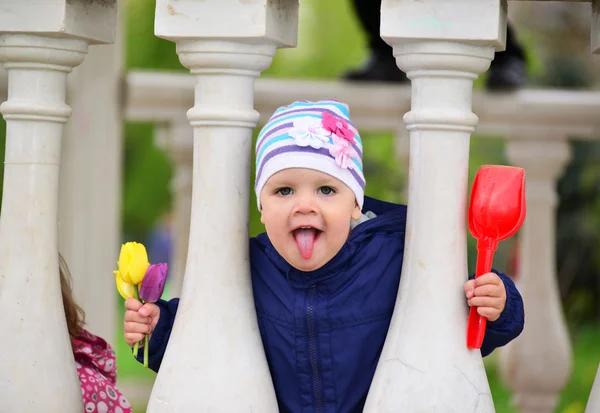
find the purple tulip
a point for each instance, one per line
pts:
(154, 282)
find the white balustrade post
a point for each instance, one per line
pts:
(89, 203)
(3, 84)
(38, 46)
(176, 137)
(402, 146)
(593, 404)
(595, 32)
(537, 364)
(215, 360)
(425, 365)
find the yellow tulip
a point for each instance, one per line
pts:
(133, 262)
(126, 290)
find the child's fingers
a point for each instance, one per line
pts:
(136, 317)
(150, 310)
(488, 278)
(469, 288)
(132, 327)
(488, 290)
(488, 295)
(492, 314)
(132, 338)
(493, 302)
(132, 304)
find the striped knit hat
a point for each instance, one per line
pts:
(313, 135)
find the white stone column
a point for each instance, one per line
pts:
(90, 183)
(215, 344)
(537, 365)
(176, 137)
(593, 404)
(402, 146)
(38, 370)
(3, 84)
(595, 33)
(425, 365)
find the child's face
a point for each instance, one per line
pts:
(307, 215)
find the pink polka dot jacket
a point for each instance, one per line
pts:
(97, 370)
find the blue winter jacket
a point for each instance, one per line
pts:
(323, 331)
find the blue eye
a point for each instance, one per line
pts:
(326, 190)
(284, 191)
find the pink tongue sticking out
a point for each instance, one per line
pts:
(305, 239)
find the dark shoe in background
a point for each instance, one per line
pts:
(506, 73)
(378, 68)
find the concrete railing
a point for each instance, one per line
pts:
(536, 124)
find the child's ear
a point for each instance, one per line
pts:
(356, 213)
(262, 218)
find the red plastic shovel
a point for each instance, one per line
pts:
(496, 211)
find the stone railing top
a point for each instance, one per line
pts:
(166, 96)
(92, 20)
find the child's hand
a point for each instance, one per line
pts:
(139, 320)
(488, 294)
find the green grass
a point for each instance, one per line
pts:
(574, 396)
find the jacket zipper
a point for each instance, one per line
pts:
(312, 344)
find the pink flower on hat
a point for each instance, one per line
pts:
(343, 152)
(338, 127)
(308, 131)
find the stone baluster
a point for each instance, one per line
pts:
(89, 214)
(595, 33)
(176, 137)
(39, 46)
(593, 404)
(425, 364)
(402, 146)
(3, 84)
(536, 383)
(215, 345)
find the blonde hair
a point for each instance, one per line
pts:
(74, 314)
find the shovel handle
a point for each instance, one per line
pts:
(475, 329)
(477, 324)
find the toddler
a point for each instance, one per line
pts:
(325, 275)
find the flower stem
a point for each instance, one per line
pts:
(146, 345)
(136, 347)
